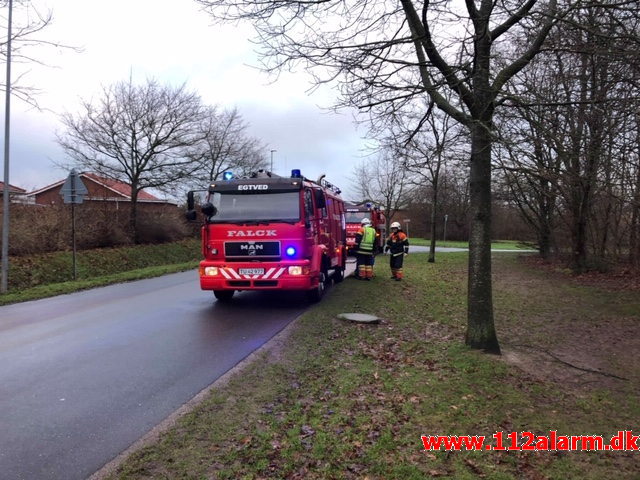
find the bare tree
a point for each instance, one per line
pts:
(28, 23)
(225, 145)
(386, 54)
(424, 153)
(382, 181)
(141, 134)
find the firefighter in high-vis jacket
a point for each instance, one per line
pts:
(398, 246)
(365, 241)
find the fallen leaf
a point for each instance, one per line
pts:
(307, 430)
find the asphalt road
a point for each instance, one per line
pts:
(85, 375)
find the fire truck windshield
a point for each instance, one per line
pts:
(356, 217)
(256, 207)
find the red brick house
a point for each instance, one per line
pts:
(101, 190)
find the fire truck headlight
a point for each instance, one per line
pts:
(211, 271)
(290, 251)
(295, 270)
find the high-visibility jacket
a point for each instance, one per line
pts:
(398, 243)
(365, 239)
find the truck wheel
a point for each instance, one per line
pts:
(224, 295)
(315, 295)
(338, 275)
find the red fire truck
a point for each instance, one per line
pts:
(271, 233)
(355, 213)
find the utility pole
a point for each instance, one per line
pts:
(4, 282)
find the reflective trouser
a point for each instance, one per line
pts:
(364, 265)
(396, 264)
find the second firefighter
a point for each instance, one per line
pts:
(398, 246)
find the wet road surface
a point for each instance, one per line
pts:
(85, 375)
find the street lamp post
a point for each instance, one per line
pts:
(4, 281)
(271, 168)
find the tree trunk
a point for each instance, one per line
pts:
(133, 217)
(481, 332)
(434, 217)
(634, 238)
(544, 242)
(579, 242)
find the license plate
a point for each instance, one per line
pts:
(251, 271)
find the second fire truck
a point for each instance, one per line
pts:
(355, 213)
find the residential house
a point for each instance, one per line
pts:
(101, 190)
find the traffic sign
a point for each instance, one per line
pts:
(73, 190)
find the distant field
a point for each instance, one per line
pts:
(496, 244)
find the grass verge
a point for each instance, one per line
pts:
(53, 289)
(495, 244)
(348, 401)
(39, 276)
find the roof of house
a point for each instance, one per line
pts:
(12, 189)
(121, 188)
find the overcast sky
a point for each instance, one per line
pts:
(174, 42)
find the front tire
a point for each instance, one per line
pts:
(315, 295)
(224, 295)
(338, 275)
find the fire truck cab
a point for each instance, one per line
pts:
(270, 232)
(355, 213)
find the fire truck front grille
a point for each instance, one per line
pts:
(239, 283)
(265, 283)
(253, 259)
(252, 249)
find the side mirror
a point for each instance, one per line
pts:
(320, 201)
(209, 210)
(190, 214)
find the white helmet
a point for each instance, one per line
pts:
(395, 225)
(365, 221)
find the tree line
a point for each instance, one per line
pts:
(565, 149)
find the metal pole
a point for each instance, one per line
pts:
(271, 168)
(444, 237)
(4, 283)
(73, 222)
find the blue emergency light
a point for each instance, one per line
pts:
(227, 175)
(295, 173)
(290, 251)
